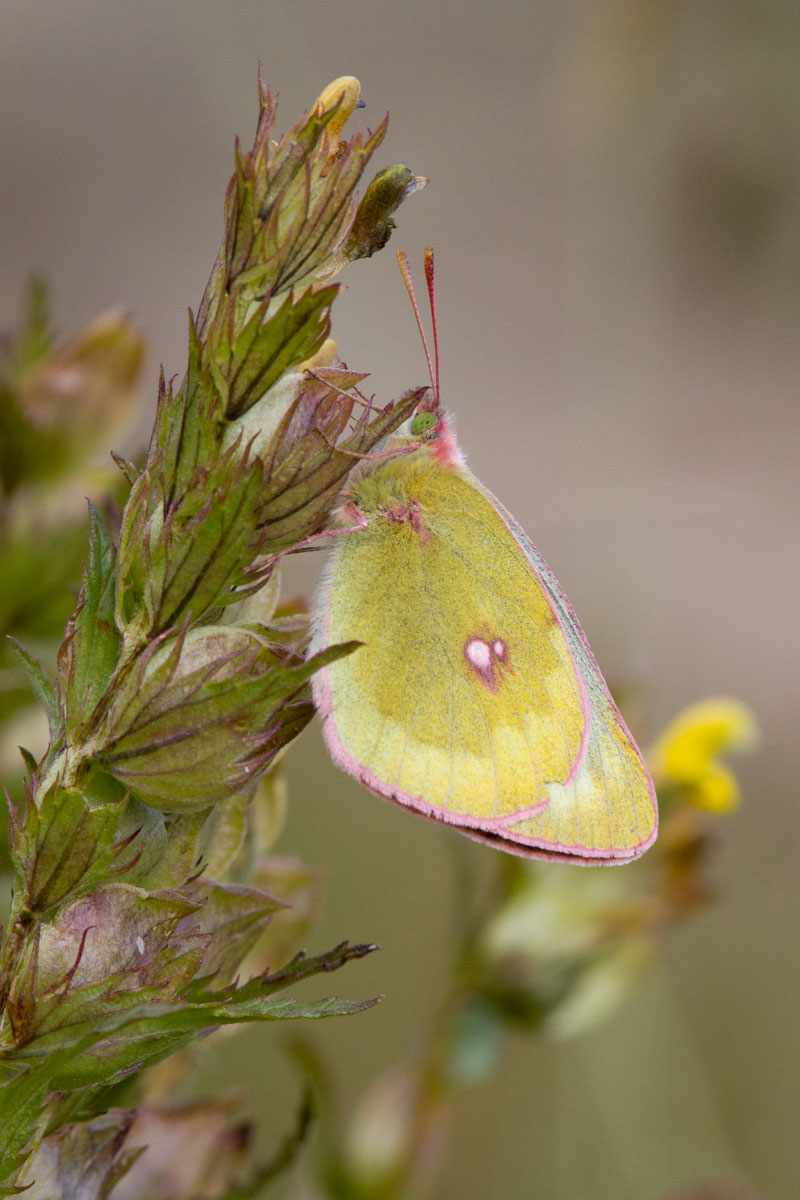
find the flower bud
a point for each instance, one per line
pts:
(343, 95)
(387, 1139)
(203, 716)
(373, 222)
(116, 939)
(85, 390)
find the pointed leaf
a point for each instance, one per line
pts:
(146, 1029)
(66, 847)
(89, 653)
(37, 336)
(234, 916)
(301, 490)
(266, 349)
(194, 738)
(187, 424)
(45, 689)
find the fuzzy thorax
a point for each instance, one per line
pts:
(381, 486)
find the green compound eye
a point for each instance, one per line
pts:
(422, 422)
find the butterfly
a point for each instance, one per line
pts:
(474, 699)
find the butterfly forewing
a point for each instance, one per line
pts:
(472, 711)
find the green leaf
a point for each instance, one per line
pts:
(186, 562)
(100, 955)
(300, 967)
(225, 837)
(145, 1029)
(65, 847)
(36, 340)
(129, 470)
(188, 425)
(181, 853)
(208, 541)
(268, 347)
(140, 842)
(234, 916)
(185, 739)
(22, 1100)
(132, 564)
(306, 233)
(89, 653)
(288, 158)
(302, 487)
(45, 689)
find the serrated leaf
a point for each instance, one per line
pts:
(146, 1029)
(183, 741)
(102, 955)
(309, 228)
(22, 1100)
(88, 655)
(208, 541)
(146, 1039)
(288, 158)
(65, 847)
(45, 689)
(302, 488)
(187, 561)
(131, 570)
(266, 349)
(234, 916)
(188, 424)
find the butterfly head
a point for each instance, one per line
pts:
(424, 425)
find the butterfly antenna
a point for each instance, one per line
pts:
(432, 300)
(405, 271)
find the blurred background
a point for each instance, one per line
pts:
(615, 208)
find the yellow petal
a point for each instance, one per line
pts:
(717, 789)
(324, 357)
(699, 734)
(344, 91)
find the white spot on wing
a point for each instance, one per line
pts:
(479, 654)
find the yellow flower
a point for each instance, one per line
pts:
(687, 753)
(344, 92)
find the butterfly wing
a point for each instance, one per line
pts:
(475, 699)
(608, 810)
